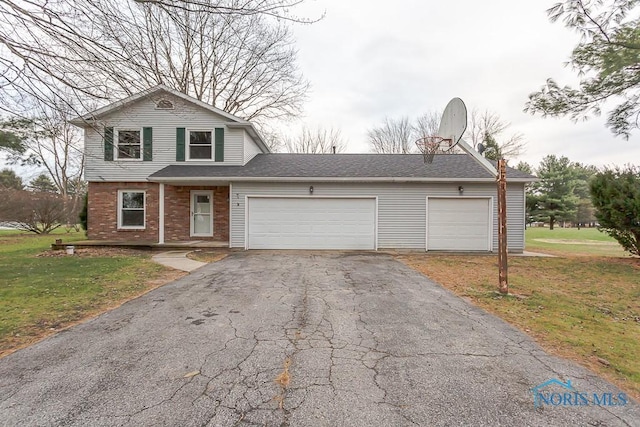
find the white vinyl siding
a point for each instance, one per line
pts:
(401, 207)
(164, 123)
(311, 223)
(515, 218)
(251, 149)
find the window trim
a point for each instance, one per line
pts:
(120, 208)
(187, 144)
(116, 144)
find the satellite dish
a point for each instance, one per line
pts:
(454, 121)
(481, 148)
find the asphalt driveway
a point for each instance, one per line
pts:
(352, 340)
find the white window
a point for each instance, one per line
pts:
(131, 209)
(128, 144)
(200, 145)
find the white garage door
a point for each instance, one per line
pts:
(311, 223)
(458, 224)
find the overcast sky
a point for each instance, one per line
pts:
(371, 59)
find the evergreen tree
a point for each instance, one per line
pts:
(607, 60)
(585, 213)
(555, 191)
(616, 196)
(9, 179)
(524, 167)
(84, 213)
(492, 150)
(43, 184)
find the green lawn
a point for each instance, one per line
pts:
(40, 294)
(571, 241)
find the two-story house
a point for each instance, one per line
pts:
(165, 167)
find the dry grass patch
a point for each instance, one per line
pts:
(207, 256)
(588, 242)
(583, 308)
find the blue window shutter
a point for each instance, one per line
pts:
(219, 144)
(108, 144)
(180, 135)
(147, 144)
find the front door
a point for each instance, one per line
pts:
(202, 213)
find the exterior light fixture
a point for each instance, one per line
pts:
(460, 189)
(311, 189)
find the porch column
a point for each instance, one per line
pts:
(161, 215)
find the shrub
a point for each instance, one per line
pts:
(615, 194)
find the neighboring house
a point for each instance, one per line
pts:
(164, 167)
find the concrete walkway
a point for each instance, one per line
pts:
(178, 260)
(534, 254)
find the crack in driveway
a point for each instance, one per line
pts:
(370, 342)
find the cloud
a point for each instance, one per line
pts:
(371, 59)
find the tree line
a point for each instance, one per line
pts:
(65, 58)
(38, 207)
(585, 195)
(399, 135)
(62, 59)
(52, 145)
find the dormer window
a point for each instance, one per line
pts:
(164, 104)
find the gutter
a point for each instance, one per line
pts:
(205, 179)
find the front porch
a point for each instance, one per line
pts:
(157, 215)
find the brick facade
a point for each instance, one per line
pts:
(103, 212)
(177, 208)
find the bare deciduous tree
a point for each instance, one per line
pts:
(104, 50)
(38, 213)
(486, 125)
(400, 136)
(280, 9)
(316, 141)
(394, 136)
(50, 142)
(427, 124)
(240, 64)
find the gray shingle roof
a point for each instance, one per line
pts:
(281, 165)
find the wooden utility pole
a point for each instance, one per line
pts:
(502, 227)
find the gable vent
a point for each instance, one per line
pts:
(164, 104)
